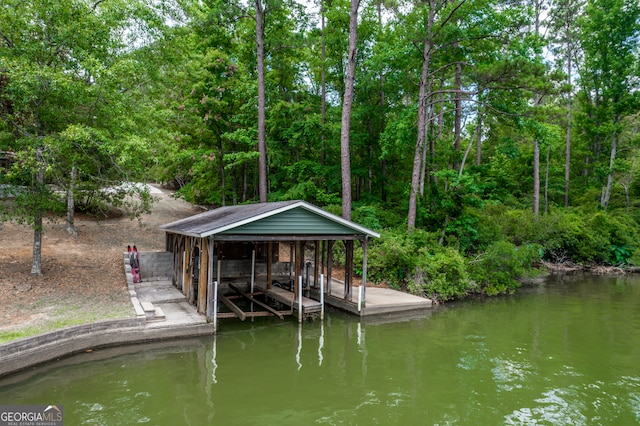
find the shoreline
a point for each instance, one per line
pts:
(30, 352)
(181, 322)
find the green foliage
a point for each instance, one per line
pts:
(416, 263)
(565, 235)
(121, 94)
(367, 216)
(393, 258)
(440, 275)
(497, 270)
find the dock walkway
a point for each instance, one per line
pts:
(378, 300)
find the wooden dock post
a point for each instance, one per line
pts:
(253, 269)
(215, 297)
(215, 307)
(300, 298)
(209, 300)
(253, 273)
(321, 297)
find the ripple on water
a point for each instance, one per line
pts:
(557, 406)
(510, 374)
(582, 404)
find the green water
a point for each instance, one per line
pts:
(566, 352)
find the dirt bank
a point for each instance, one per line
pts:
(83, 278)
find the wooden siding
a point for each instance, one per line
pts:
(286, 218)
(203, 278)
(294, 221)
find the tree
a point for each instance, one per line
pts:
(345, 157)
(59, 61)
(564, 26)
(262, 144)
(610, 30)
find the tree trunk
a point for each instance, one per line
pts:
(71, 228)
(457, 125)
(536, 143)
(36, 260)
(383, 165)
(567, 155)
(427, 148)
(479, 133)
(464, 158)
(324, 85)
(422, 117)
(546, 181)
(262, 144)
(606, 191)
(536, 177)
(423, 167)
(345, 157)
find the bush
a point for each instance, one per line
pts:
(416, 263)
(441, 275)
(565, 237)
(587, 237)
(393, 257)
(367, 216)
(497, 270)
(614, 237)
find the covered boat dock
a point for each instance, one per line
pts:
(266, 259)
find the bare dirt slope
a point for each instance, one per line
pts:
(83, 278)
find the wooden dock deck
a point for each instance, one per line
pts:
(286, 297)
(379, 301)
(236, 311)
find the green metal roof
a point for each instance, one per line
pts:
(286, 218)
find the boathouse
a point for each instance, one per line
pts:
(281, 249)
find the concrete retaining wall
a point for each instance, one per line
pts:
(30, 351)
(154, 265)
(23, 353)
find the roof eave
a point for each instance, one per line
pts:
(301, 204)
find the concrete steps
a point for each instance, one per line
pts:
(152, 313)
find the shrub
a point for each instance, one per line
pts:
(441, 275)
(614, 237)
(367, 217)
(518, 226)
(586, 237)
(392, 258)
(564, 236)
(496, 271)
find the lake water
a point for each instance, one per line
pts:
(565, 352)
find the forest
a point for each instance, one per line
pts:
(482, 138)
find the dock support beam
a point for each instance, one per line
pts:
(364, 271)
(215, 307)
(321, 297)
(300, 299)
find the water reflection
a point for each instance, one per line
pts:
(564, 353)
(214, 361)
(510, 374)
(299, 346)
(321, 345)
(583, 404)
